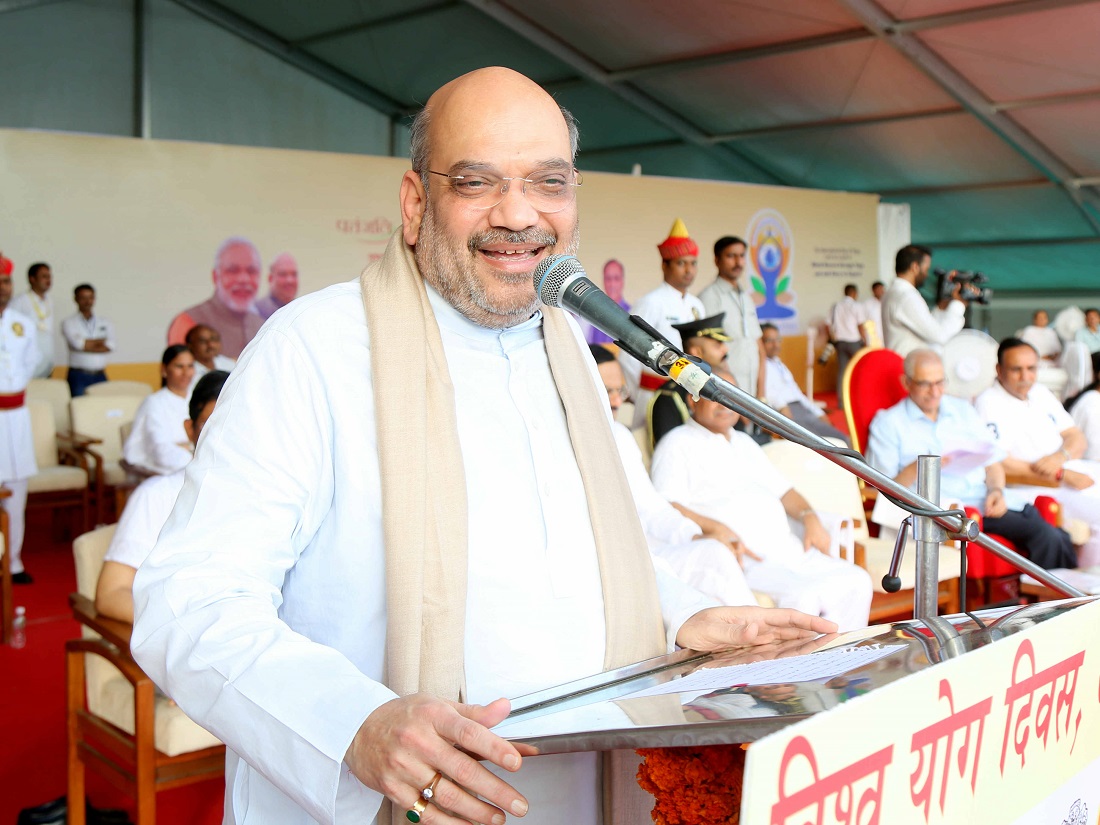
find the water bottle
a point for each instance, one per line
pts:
(19, 628)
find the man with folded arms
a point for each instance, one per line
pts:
(436, 516)
(928, 423)
(713, 469)
(1043, 445)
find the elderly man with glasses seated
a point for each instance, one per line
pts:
(931, 423)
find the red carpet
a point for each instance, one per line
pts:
(32, 695)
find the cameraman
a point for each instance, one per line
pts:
(907, 323)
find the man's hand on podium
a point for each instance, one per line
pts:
(401, 745)
(720, 628)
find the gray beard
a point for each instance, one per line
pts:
(453, 274)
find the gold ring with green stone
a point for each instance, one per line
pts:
(413, 813)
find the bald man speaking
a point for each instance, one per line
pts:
(435, 519)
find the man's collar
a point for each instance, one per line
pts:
(451, 319)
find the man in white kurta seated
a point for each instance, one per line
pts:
(1043, 444)
(667, 305)
(408, 504)
(713, 469)
(147, 510)
(701, 551)
(782, 392)
(1042, 337)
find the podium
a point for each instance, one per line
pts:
(990, 717)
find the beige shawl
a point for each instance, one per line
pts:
(424, 490)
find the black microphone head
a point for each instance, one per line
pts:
(551, 275)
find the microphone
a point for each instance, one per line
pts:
(560, 281)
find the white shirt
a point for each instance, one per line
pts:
(221, 362)
(1044, 339)
(1086, 415)
(142, 519)
(18, 357)
(662, 523)
(662, 308)
(781, 390)
(731, 481)
(39, 310)
(1026, 429)
(908, 323)
(158, 441)
(741, 325)
(262, 608)
(77, 329)
(872, 311)
(845, 318)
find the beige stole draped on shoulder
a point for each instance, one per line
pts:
(424, 508)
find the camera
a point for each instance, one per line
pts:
(974, 289)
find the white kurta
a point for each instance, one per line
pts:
(1030, 429)
(872, 311)
(733, 481)
(706, 564)
(158, 442)
(908, 323)
(741, 325)
(262, 611)
(221, 362)
(1044, 339)
(1086, 415)
(39, 310)
(662, 308)
(143, 517)
(18, 357)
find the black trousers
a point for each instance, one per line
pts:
(1045, 545)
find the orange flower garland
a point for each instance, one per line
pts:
(694, 786)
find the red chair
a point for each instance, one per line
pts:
(872, 382)
(996, 580)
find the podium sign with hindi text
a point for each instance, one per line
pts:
(1007, 733)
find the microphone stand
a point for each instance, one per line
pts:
(930, 530)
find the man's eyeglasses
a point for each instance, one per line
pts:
(929, 385)
(548, 192)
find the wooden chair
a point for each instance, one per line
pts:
(54, 391)
(832, 490)
(117, 722)
(109, 387)
(97, 422)
(65, 473)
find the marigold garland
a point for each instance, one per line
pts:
(694, 786)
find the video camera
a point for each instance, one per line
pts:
(973, 286)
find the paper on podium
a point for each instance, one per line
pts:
(823, 664)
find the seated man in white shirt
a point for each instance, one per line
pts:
(708, 466)
(147, 511)
(1042, 336)
(782, 392)
(700, 551)
(931, 423)
(1042, 443)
